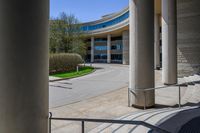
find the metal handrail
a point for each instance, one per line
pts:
(142, 123)
(161, 87)
(83, 120)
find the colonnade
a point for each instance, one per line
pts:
(145, 48)
(125, 47)
(24, 59)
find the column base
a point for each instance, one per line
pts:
(125, 63)
(142, 107)
(139, 100)
(169, 83)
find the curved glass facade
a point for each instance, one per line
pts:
(106, 24)
(100, 48)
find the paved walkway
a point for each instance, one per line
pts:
(106, 78)
(102, 94)
(107, 106)
(110, 105)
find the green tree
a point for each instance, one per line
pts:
(66, 35)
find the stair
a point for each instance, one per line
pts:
(195, 98)
(191, 94)
(153, 116)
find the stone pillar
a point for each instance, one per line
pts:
(92, 49)
(142, 51)
(169, 42)
(24, 66)
(109, 48)
(125, 52)
(157, 41)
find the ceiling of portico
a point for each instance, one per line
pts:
(113, 33)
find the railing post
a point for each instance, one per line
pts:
(83, 126)
(50, 116)
(144, 100)
(77, 68)
(129, 102)
(179, 98)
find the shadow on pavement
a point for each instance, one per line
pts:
(186, 121)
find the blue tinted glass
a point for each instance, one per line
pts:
(106, 24)
(100, 48)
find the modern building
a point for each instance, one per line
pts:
(149, 35)
(109, 37)
(108, 40)
(24, 53)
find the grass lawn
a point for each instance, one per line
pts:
(73, 74)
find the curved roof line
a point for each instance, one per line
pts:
(107, 18)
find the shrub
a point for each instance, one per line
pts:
(63, 62)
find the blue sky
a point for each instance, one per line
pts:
(86, 10)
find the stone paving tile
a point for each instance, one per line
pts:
(110, 105)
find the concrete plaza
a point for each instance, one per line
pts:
(103, 102)
(106, 78)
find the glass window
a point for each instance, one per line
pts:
(100, 56)
(116, 57)
(100, 48)
(106, 24)
(113, 47)
(116, 47)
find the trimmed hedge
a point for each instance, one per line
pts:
(63, 62)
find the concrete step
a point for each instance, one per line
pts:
(195, 98)
(188, 95)
(144, 117)
(186, 79)
(131, 116)
(189, 80)
(168, 95)
(194, 78)
(150, 116)
(152, 119)
(157, 119)
(192, 94)
(197, 79)
(181, 80)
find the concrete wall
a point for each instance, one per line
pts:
(188, 37)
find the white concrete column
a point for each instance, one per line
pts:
(125, 51)
(169, 42)
(92, 49)
(109, 48)
(142, 51)
(24, 66)
(157, 41)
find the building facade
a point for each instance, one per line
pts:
(108, 38)
(24, 51)
(149, 35)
